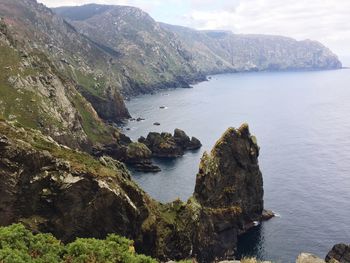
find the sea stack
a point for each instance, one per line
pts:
(229, 189)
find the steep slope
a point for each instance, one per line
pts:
(35, 28)
(149, 56)
(223, 50)
(51, 188)
(163, 52)
(34, 94)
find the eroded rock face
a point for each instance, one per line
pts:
(166, 145)
(229, 189)
(72, 197)
(52, 188)
(339, 253)
(230, 176)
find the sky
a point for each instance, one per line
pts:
(327, 21)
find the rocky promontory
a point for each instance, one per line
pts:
(170, 146)
(52, 188)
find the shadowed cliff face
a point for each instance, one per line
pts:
(51, 188)
(232, 163)
(229, 189)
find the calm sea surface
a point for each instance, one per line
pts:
(302, 123)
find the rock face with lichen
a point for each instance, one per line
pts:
(52, 188)
(229, 188)
(170, 146)
(339, 253)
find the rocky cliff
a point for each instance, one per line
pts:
(52, 188)
(177, 55)
(218, 51)
(103, 52)
(35, 29)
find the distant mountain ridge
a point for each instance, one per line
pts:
(67, 74)
(206, 52)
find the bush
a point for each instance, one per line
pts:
(17, 245)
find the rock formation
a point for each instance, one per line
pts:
(52, 188)
(135, 154)
(339, 253)
(229, 189)
(170, 146)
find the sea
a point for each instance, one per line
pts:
(302, 124)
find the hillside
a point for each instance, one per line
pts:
(149, 56)
(36, 29)
(158, 49)
(239, 52)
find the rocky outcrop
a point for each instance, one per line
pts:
(339, 253)
(52, 188)
(135, 154)
(170, 146)
(308, 258)
(229, 189)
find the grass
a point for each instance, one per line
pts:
(79, 161)
(95, 129)
(93, 85)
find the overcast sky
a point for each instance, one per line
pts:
(327, 21)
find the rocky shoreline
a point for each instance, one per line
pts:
(73, 195)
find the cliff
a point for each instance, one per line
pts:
(218, 51)
(51, 188)
(155, 55)
(87, 65)
(35, 29)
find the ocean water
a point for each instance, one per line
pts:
(302, 123)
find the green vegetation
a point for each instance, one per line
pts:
(21, 105)
(93, 85)
(79, 161)
(95, 129)
(18, 245)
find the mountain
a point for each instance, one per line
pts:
(219, 50)
(35, 29)
(144, 43)
(149, 56)
(79, 63)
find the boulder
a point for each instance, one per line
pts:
(339, 253)
(166, 145)
(162, 145)
(309, 258)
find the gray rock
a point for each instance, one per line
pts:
(309, 258)
(340, 253)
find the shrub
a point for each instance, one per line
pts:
(17, 245)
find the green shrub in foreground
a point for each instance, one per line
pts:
(17, 245)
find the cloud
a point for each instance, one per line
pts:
(322, 20)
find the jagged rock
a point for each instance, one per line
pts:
(309, 258)
(135, 154)
(51, 188)
(146, 167)
(165, 145)
(72, 197)
(339, 253)
(267, 214)
(162, 145)
(229, 188)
